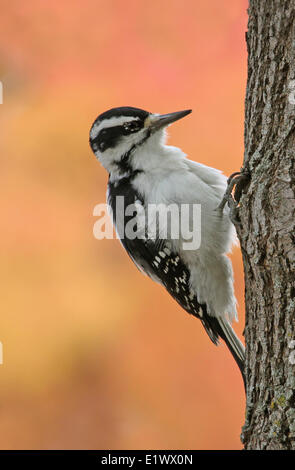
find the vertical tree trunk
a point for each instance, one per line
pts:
(267, 230)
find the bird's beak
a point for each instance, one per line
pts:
(158, 121)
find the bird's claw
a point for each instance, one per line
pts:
(237, 182)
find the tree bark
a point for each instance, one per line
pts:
(267, 230)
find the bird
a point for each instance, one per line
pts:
(144, 171)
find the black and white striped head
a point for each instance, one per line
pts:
(118, 132)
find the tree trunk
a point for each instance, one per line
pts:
(267, 230)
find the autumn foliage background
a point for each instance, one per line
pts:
(96, 355)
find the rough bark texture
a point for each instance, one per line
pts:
(267, 231)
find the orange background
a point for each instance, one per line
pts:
(96, 355)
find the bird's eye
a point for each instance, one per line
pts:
(132, 126)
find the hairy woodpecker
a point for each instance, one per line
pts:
(130, 144)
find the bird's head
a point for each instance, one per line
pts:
(118, 133)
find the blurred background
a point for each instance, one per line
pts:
(95, 355)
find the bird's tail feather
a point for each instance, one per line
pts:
(218, 327)
(233, 343)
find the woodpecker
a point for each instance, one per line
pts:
(130, 143)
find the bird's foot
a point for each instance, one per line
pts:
(233, 210)
(238, 182)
